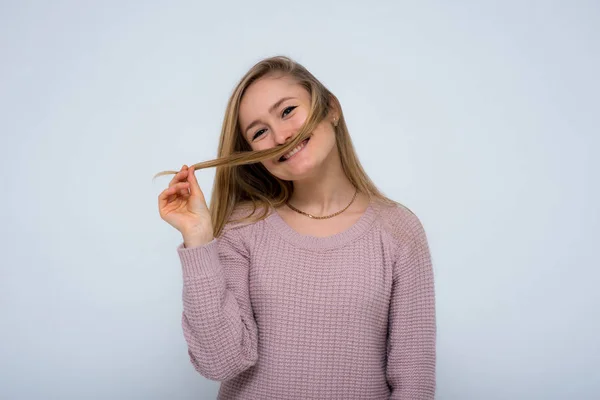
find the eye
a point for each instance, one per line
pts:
(288, 110)
(257, 134)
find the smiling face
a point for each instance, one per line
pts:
(272, 111)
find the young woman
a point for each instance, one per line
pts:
(302, 280)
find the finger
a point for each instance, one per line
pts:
(163, 198)
(181, 175)
(180, 187)
(185, 192)
(194, 186)
(176, 178)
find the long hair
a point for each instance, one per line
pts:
(240, 177)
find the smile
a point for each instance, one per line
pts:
(294, 151)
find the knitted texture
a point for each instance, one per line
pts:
(274, 314)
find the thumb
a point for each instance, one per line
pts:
(194, 186)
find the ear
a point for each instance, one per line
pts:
(334, 109)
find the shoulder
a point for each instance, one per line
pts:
(411, 254)
(401, 225)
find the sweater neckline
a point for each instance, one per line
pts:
(327, 242)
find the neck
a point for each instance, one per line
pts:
(325, 192)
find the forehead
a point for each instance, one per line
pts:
(265, 92)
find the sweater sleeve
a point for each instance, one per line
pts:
(217, 319)
(411, 352)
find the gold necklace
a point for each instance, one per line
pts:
(326, 216)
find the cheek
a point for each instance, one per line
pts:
(325, 133)
(298, 120)
(261, 144)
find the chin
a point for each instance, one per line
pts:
(299, 171)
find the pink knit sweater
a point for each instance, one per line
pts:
(274, 314)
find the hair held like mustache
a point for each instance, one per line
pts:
(318, 112)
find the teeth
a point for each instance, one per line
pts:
(295, 150)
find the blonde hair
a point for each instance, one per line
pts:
(241, 179)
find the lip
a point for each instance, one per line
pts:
(301, 150)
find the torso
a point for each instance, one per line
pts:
(325, 227)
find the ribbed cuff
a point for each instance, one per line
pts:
(199, 260)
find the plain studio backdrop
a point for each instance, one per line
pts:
(481, 117)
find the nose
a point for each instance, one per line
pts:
(283, 135)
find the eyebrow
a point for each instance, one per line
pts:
(271, 109)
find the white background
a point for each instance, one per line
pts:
(481, 117)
